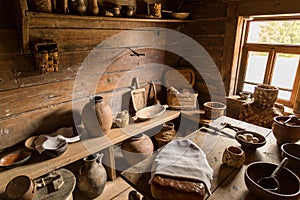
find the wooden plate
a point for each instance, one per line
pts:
(14, 159)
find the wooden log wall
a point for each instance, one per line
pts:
(34, 103)
(209, 30)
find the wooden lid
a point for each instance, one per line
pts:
(180, 78)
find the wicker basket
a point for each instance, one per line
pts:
(184, 101)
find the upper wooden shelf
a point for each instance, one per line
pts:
(27, 21)
(38, 166)
(56, 16)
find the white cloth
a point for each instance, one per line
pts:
(182, 158)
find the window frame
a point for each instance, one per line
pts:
(272, 49)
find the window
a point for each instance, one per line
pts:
(270, 54)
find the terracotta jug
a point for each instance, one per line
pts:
(91, 177)
(137, 148)
(97, 116)
(92, 7)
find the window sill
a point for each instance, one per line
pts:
(234, 102)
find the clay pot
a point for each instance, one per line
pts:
(92, 7)
(286, 132)
(234, 157)
(137, 148)
(91, 177)
(166, 134)
(77, 7)
(265, 95)
(21, 188)
(97, 116)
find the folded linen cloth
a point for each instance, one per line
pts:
(182, 158)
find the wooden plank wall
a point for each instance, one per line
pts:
(208, 30)
(34, 103)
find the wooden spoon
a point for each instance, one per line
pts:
(271, 183)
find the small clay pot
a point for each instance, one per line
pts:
(21, 188)
(166, 134)
(234, 157)
(137, 148)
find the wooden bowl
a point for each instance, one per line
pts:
(180, 15)
(289, 183)
(29, 143)
(57, 151)
(214, 109)
(292, 152)
(250, 145)
(286, 133)
(14, 159)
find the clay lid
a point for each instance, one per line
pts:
(20, 187)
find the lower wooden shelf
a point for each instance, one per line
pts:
(37, 167)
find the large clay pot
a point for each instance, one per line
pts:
(137, 148)
(166, 134)
(97, 116)
(286, 132)
(265, 95)
(91, 177)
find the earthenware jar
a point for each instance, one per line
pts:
(91, 177)
(233, 157)
(92, 7)
(97, 116)
(265, 95)
(137, 148)
(166, 134)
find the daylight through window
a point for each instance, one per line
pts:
(270, 54)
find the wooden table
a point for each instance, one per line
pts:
(228, 183)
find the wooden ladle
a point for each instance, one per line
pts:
(291, 118)
(270, 182)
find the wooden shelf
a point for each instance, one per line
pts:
(29, 23)
(79, 150)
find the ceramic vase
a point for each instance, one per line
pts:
(92, 7)
(91, 177)
(265, 95)
(234, 157)
(77, 7)
(166, 134)
(137, 148)
(97, 116)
